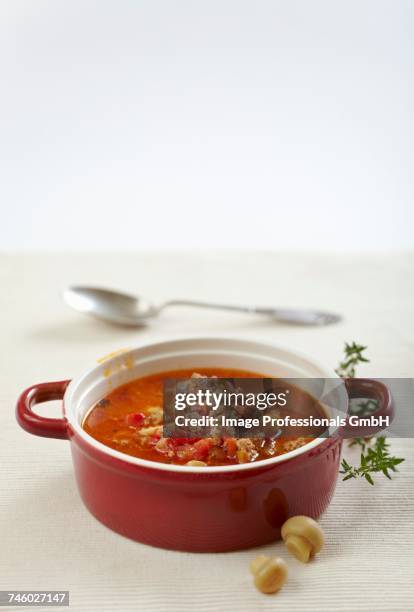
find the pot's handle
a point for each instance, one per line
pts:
(369, 389)
(34, 423)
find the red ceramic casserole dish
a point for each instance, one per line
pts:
(191, 508)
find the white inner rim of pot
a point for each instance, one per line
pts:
(268, 360)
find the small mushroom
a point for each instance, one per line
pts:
(269, 573)
(303, 537)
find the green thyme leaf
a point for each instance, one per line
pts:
(353, 357)
(375, 456)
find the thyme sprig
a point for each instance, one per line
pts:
(375, 456)
(353, 357)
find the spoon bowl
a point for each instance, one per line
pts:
(111, 306)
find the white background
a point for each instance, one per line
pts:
(181, 124)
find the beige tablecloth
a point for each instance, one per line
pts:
(50, 541)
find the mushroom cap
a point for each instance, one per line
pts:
(271, 576)
(305, 527)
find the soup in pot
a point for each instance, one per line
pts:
(129, 419)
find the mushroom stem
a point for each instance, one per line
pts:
(257, 564)
(299, 547)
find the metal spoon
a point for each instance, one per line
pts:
(124, 309)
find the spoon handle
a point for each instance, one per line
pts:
(213, 306)
(284, 315)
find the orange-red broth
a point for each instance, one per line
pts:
(129, 419)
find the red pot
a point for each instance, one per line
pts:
(189, 508)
